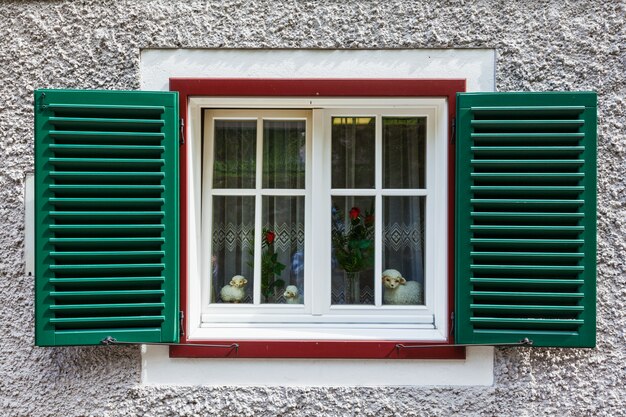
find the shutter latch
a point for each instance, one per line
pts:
(109, 340)
(181, 138)
(181, 325)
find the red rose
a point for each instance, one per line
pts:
(369, 220)
(354, 213)
(270, 236)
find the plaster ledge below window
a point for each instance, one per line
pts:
(159, 369)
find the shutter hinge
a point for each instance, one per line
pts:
(181, 326)
(453, 134)
(451, 323)
(181, 138)
(42, 106)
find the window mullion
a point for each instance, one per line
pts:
(378, 210)
(258, 201)
(318, 290)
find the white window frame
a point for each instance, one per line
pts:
(319, 320)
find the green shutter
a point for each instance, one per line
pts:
(106, 222)
(526, 218)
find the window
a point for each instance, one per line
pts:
(306, 209)
(107, 206)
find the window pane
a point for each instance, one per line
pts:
(234, 162)
(282, 259)
(353, 152)
(403, 251)
(284, 153)
(403, 152)
(352, 231)
(232, 249)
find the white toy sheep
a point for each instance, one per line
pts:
(235, 291)
(400, 291)
(292, 295)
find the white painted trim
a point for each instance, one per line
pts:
(477, 66)
(158, 369)
(352, 320)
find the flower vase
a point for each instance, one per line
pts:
(352, 287)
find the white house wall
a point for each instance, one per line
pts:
(540, 45)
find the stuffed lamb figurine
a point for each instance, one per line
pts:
(235, 291)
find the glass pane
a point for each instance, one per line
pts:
(353, 152)
(352, 232)
(232, 260)
(404, 141)
(234, 150)
(403, 250)
(282, 259)
(284, 153)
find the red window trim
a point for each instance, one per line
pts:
(256, 87)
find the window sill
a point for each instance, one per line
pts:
(317, 350)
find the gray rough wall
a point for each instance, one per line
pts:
(542, 45)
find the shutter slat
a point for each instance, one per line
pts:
(107, 217)
(531, 137)
(535, 333)
(98, 108)
(525, 220)
(506, 203)
(109, 162)
(526, 215)
(527, 323)
(532, 124)
(106, 307)
(533, 308)
(527, 295)
(107, 254)
(517, 243)
(523, 163)
(532, 151)
(499, 268)
(525, 282)
(107, 267)
(527, 189)
(112, 294)
(526, 177)
(497, 229)
(527, 255)
(517, 110)
(125, 241)
(106, 321)
(111, 150)
(109, 190)
(104, 123)
(107, 214)
(105, 202)
(95, 281)
(130, 187)
(94, 136)
(106, 175)
(79, 227)
(140, 148)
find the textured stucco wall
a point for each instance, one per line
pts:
(541, 45)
